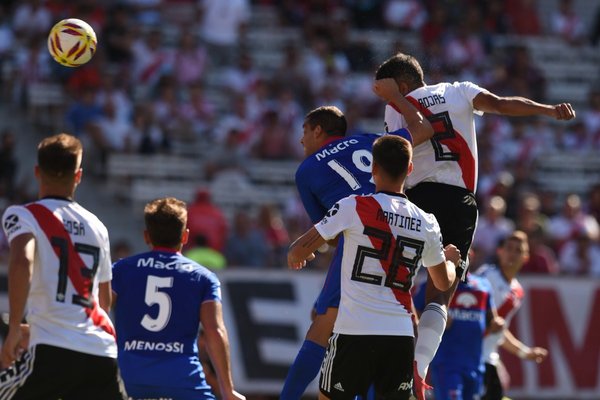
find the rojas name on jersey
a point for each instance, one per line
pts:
(343, 145)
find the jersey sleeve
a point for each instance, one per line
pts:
(16, 221)
(393, 119)
(104, 263)
(433, 252)
(311, 203)
(338, 218)
(470, 90)
(491, 304)
(403, 132)
(212, 288)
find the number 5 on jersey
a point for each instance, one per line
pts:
(155, 296)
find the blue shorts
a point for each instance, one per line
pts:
(330, 294)
(143, 392)
(451, 382)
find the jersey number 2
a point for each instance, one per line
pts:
(443, 129)
(155, 296)
(398, 245)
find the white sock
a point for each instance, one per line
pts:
(430, 330)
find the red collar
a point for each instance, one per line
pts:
(331, 139)
(165, 249)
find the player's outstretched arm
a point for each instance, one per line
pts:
(418, 126)
(217, 344)
(20, 267)
(521, 107)
(444, 274)
(303, 248)
(495, 323)
(521, 350)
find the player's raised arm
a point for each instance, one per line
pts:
(418, 126)
(516, 106)
(303, 248)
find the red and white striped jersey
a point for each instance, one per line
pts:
(507, 296)
(72, 257)
(450, 157)
(386, 239)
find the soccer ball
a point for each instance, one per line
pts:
(72, 42)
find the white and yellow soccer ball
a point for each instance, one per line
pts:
(72, 42)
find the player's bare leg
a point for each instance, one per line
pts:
(322, 326)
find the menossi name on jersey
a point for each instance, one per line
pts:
(432, 100)
(174, 347)
(401, 221)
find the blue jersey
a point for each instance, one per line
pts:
(462, 342)
(339, 169)
(159, 295)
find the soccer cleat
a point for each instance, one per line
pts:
(419, 385)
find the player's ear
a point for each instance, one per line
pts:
(147, 238)
(319, 132)
(36, 171)
(403, 88)
(410, 168)
(185, 236)
(374, 168)
(78, 175)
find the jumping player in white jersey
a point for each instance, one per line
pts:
(445, 173)
(386, 240)
(59, 267)
(507, 294)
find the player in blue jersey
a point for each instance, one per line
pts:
(335, 167)
(457, 369)
(162, 297)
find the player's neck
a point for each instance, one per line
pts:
(509, 273)
(167, 249)
(50, 191)
(389, 188)
(330, 139)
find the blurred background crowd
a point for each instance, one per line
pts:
(219, 88)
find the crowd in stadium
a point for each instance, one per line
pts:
(165, 79)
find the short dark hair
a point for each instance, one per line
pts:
(330, 118)
(393, 154)
(59, 156)
(166, 219)
(403, 68)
